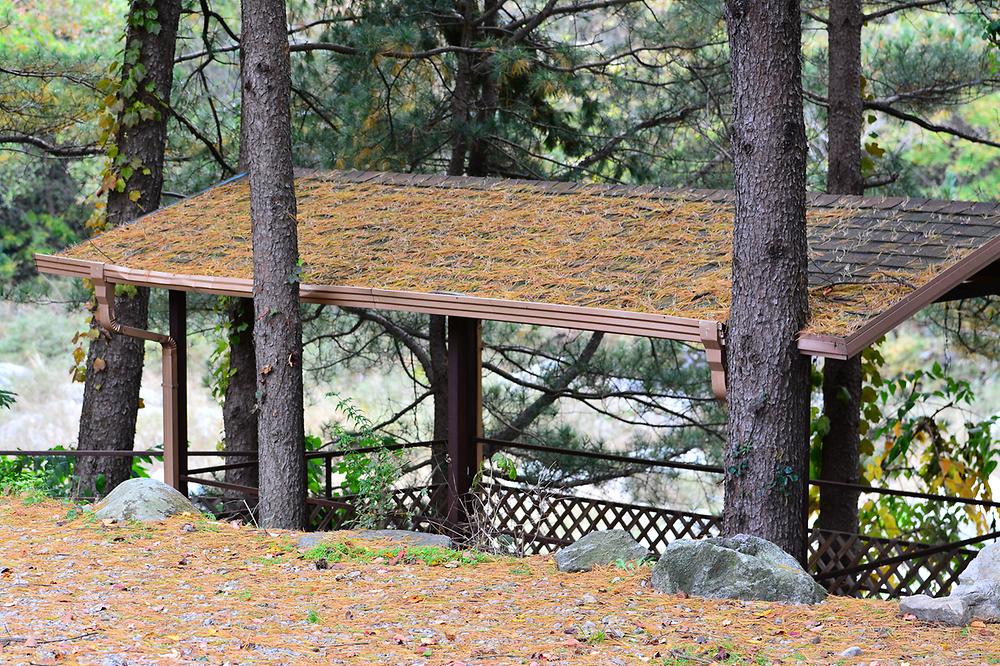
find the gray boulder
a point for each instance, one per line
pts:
(948, 610)
(982, 597)
(313, 539)
(144, 500)
(599, 549)
(739, 567)
(976, 597)
(984, 567)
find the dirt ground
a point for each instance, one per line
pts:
(191, 591)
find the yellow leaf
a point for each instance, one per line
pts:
(142, 403)
(134, 195)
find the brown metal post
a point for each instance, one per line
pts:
(464, 410)
(104, 293)
(178, 331)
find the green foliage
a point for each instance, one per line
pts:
(370, 476)
(915, 428)
(224, 337)
(353, 551)
(46, 476)
(52, 476)
(7, 399)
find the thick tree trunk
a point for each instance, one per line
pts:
(239, 414)
(438, 348)
(111, 390)
(278, 322)
(461, 96)
(844, 94)
(486, 104)
(838, 507)
(768, 378)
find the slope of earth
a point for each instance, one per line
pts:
(192, 591)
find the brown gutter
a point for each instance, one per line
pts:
(458, 305)
(105, 294)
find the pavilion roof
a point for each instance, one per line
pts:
(617, 258)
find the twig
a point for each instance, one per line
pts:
(17, 639)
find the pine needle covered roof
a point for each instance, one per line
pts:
(633, 249)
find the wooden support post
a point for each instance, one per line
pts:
(178, 331)
(464, 410)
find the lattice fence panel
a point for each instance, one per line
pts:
(552, 520)
(416, 508)
(933, 574)
(531, 522)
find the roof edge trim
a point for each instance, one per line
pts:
(925, 295)
(560, 316)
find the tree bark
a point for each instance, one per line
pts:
(438, 376)
(239, 414)
(111, 390)
(844, 94)
(461, 97)
(768, 389)
(838, 507)
(278, 322)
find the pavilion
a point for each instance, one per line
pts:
(641, 261)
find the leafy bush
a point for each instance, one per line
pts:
(917, 428)
(36, 476)
(369, 476)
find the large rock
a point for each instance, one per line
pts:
(739, 567)
(145, 500)
(599, 549)
(976, 597)
(948, 610)
(984, 567)
(313, 539)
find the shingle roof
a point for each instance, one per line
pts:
(634, 249)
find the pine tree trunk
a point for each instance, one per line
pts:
(278, 322)
(768, 378)
(461, 96)
(111, 393)
(239, 413)
(239, 416)
(838, 507)
(438, 348)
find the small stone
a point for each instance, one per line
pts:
(588, 599)
(852, 651)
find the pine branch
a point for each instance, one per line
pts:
(50, 148)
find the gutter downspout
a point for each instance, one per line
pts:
(105, 294)
(715, 351)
